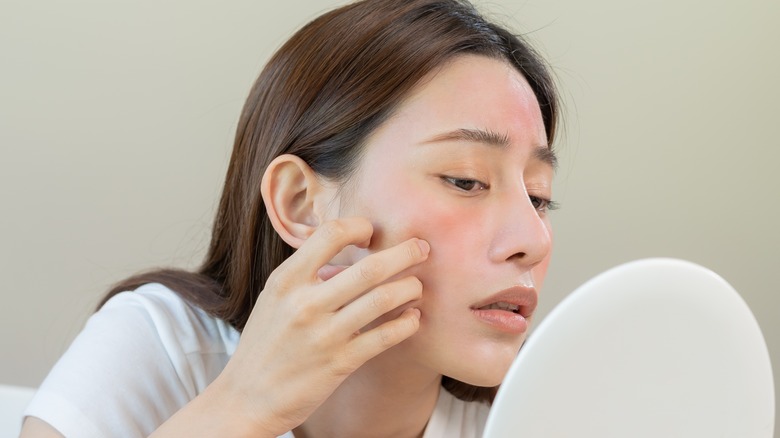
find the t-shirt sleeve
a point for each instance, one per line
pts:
(138, 360)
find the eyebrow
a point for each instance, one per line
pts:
(542, 153)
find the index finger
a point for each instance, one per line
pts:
(327, 241)
(374, 269)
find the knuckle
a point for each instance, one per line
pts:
(411, 326)
(302, 314)
(321, 338)
(343, 364)
(388, 336)
(413, 251)
(381, 299)
(299, 318)
(414, 325)
(369, 270)
(333, 231)
(277, 281)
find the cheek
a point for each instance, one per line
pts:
(405, 208)
(540, 270)
(540, 273)
(415, 214)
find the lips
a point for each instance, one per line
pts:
(518, 299)
(508, 310)
(502, 305)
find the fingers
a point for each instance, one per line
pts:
(377, 302)
(328, 240)
(373, 270)
(327, 272)
(373, 342)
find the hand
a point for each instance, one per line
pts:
(304, 336)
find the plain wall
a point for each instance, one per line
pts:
(116, 124)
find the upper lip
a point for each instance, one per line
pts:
(522, 296)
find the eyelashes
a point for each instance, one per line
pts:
(465, 184)
(472, 187)
(544, 205)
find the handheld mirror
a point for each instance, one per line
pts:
(652, 348)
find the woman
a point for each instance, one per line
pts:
(379, 246)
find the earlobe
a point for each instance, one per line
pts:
(291, 192)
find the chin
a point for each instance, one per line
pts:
(482, 374)
(487, 381)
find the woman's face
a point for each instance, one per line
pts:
(463, 164)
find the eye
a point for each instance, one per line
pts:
(465, 184)
(543, 205)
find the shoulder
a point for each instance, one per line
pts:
(153, 323)
(181, 327)
(137, 361)
(455, 417)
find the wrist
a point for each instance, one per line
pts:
(239, 410)
(216, 412)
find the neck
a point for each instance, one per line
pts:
(383, 398)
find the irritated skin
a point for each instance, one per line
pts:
(484, 239)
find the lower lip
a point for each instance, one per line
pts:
(503, 320)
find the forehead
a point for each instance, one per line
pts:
(470, 92)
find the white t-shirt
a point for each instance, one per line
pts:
(147, 353)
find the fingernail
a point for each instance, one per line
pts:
(424, 246)
(327, 272)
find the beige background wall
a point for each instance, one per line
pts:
(116, 122)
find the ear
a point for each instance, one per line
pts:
(293, 194)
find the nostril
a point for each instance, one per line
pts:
(517, 256)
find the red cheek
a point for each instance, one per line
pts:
(416, 207)
(452, 230)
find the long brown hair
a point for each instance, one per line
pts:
(319, 97)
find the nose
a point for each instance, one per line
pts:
(522, 235)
